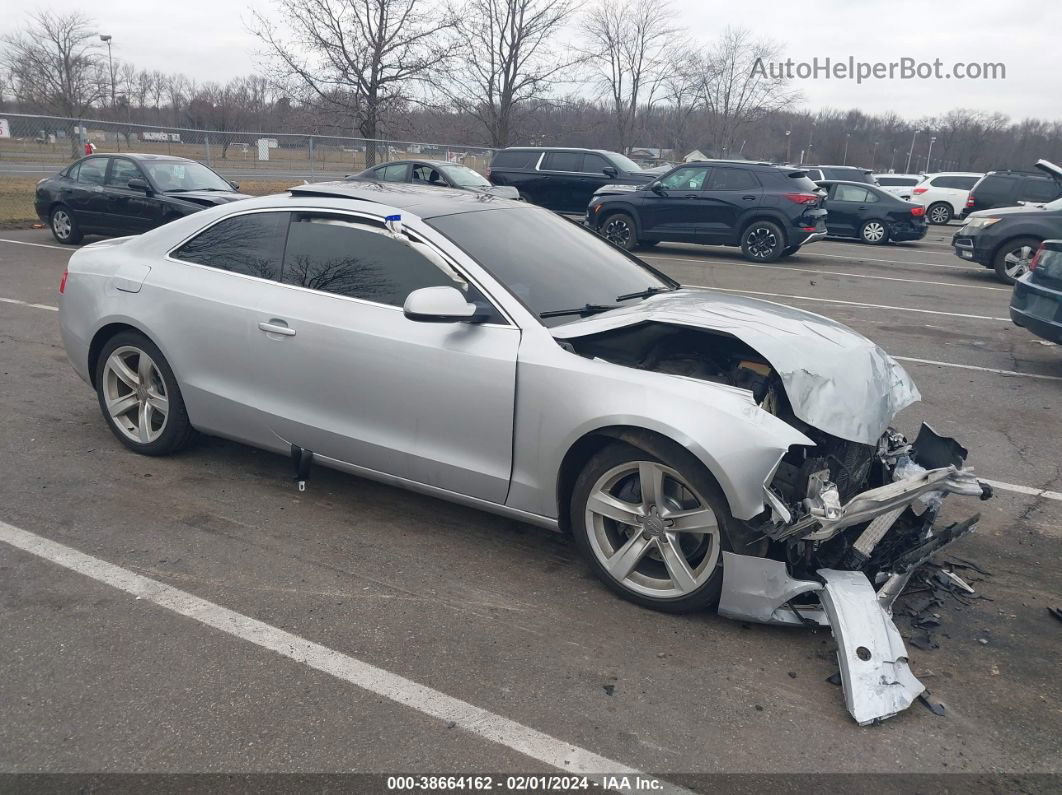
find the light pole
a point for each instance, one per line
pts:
(911, 152)
(874, 157)
(106, 39)
(788, 141)
(811, 145)
(929, 154)
(847, 136)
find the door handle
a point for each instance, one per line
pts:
(748, 198)
(276, 327)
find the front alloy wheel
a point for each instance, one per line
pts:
(1013, 260)
(64, 226)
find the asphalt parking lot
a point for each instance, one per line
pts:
(498, 615)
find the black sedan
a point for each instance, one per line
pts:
(1006, 239)
(1037, 300)
(127, 194)
(435, 173)
(871, 214)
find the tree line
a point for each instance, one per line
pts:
(614, 74)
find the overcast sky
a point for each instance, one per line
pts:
(208, 40)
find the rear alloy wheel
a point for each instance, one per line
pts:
(939, 213)
(619, 230)
(653, 532)
(139, 396)
(874, 232)
(762, 241)
(64, 226)
(1013, 258)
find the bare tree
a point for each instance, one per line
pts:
(506, 62)
(55, 63)
(737, 90)
(627, 45)
(364, 57)
(177, 91)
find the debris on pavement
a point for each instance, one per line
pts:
(933, 706)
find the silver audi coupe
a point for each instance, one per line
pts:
(701, 448)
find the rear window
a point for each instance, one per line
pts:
(251, 245)
(799, 180)
(732, 179)
(959, 183)
(1038, 190)
(515, 159)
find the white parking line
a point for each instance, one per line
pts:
(896, 262)
(532, 743)
(1030, 490)
(854, 303)
(1013, 373)
(27, 303)
(38, 245)
(826, 273)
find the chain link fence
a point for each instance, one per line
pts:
(50, 142)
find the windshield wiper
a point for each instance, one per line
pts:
(644, 293)
(585, 309)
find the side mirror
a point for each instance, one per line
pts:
(610, 172)
(657, 188)
(139, 184)
(235, 185)
(440, 305)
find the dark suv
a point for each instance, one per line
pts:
(1008, 188)
(769, 211)
(562, 179)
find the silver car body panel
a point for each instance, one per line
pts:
(836, 379)
(761, 590)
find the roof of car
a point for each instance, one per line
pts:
(425, 201)
(555, 149)
(143, 156)
(414, 160)
(761, 163)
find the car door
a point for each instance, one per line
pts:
(560, 182)
(593, 177)
(84, 195)
(728, 195)
(340, 370)
(129, 211)
(675, 209)
(846, 206)
(203, 298)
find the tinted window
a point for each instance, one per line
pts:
(996, 186)
(894, 182)
(92, 170)
(122, 171)
(799, 180)
(852, 193)
(545, 261)
(959, 183)
(594, 164)
(515, 159)
(562, 161)
(815, 174)
(1038, 190)
(249, 244)
(732, 179)
(687, 178)
(358, 260)
(71, 172)
(395, 173)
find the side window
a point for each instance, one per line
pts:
(964, 183)
(852, 193)
(92, 171)
(520, 158)
(562, 161)
(71, 173)
(1038, 190)
(427, 174)
(252, 245)
(688, 178)
(594, 164)
(338, 255)
(732, 179)
(815, 174)
(122, 171)
(395, 173)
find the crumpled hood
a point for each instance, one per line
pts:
(208, 198)
(836, 379)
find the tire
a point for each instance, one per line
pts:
(874, 232)
(611, 480)
(619, 229)
(939, 213)
(64, 225)
(151, 420)
(762, 241)
(1011, 260)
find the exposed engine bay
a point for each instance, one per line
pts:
(847, 522)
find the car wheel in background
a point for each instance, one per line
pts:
(939, 213)
(64, 225)
(139, 396)
(874, 232)
(652, 530)
(1013, 257)
(762, 241)
(618, 228)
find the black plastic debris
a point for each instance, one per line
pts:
(933, 706)
(609, 689)
(1056, 612)
(834, 678)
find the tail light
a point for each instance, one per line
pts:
(919, 210)
(1036, 258)
(62, 282)
(802, 198)
(970, 200)
(919, 191)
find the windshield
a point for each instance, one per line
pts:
(464, 177)
(624, 162)
(547, 262)
(183, 175)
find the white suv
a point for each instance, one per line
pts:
(899, 184)
(944, 194)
